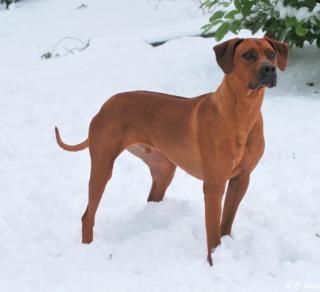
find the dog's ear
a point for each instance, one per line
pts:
(225, 54)
(281, 49)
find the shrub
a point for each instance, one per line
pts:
(8, 2)
(292, 21)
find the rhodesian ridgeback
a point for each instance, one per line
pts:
(216, 137)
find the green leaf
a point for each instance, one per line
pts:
(208, 3)
(231, 14)
(216, 15)
(206, 28)
(237, 4)
(290, 21)
(225, 3)
(301, 30)
(221, 31)
(246, 10)
(235, 26)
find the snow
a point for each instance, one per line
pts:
(301, 14)
(140, 246)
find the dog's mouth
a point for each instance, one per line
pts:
(269, 82)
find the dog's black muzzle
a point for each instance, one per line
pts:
(267, 76)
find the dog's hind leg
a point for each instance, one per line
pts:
(162, 174)
(162, 170)
(103, 155)
(100, 175)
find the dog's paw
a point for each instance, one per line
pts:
(87, 235)
(209, 259)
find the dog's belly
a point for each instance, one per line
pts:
(152, 155)
(188, 163)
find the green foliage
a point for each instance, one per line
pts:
(292, 21)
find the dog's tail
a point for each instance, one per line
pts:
(78, 147)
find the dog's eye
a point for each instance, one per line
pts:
(271, 55)
(248, 56)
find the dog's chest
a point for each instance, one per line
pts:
(238, 152)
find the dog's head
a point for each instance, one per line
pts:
(252, 61)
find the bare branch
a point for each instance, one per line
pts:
(68, 50)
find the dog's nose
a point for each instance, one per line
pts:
(267, 68)
(267, 75)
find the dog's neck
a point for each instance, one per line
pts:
(238, 103)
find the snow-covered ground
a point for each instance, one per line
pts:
(140, 246)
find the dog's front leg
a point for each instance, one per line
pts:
(213, 193)
(236, 190)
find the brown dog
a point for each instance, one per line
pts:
(216, 137)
